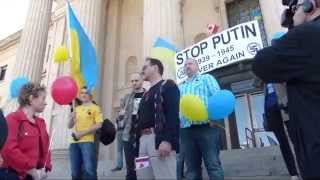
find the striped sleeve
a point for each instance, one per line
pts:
(212, 84)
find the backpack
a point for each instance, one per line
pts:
(107, 132)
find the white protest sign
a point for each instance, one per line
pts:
(142, 162)
(229, 46)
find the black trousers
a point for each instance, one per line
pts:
(279, 132)
(130, 154)
(306, 138)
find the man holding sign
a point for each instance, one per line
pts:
(199, 140)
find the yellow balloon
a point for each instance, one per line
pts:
(193, 108)
(60, 54)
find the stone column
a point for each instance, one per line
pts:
(32, 47)
(162, 19)
(271, 12)
(92, 16)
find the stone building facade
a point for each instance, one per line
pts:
(123, 32)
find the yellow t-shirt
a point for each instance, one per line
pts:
(86, 117)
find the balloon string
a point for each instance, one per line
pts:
(49, 148)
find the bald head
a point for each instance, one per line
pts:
(136, 81)
(191, 67)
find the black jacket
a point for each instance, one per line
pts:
(149, 115)
(295, 60)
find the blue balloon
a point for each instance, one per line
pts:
(221, 105)
(16, 85)
(277, 35)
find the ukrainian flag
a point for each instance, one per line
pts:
(84, 68)
(256, 13)
(164, 51)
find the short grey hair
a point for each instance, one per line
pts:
(194, 60)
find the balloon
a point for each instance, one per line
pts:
(16, 85)
(193, 108)
(221, 105)
(60, 54)
(277, 35)
(64, 90)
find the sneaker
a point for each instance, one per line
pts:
(116, 169)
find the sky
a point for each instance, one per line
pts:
(12, 16)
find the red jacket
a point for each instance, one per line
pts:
(27, 145)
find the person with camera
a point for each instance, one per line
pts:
(295, 60)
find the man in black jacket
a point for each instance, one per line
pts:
(158, 123)
(295, 60)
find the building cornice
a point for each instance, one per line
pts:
(10, 40)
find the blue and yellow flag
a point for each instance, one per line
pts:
(164, 51)
(84, 68)
(256, 13)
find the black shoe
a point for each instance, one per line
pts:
(116, 169)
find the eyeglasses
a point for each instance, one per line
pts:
(296, 7)
(135, 80)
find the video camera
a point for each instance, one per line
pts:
(287, 15)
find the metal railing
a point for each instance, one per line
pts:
(250, 137)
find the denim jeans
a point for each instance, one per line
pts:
(119, 149)
(180, 165)
(201, 142)
(180, 162)
(83, 159)
(8, 174)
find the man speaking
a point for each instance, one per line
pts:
(295, 60)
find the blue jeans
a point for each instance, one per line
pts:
(83, 159)
(119, 149)
(180, 162)
(8, 174)
(180, 166)
(201, 142)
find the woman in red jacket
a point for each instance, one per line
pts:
(26, 152)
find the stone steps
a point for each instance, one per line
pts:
(227, 178)
(248, 164)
